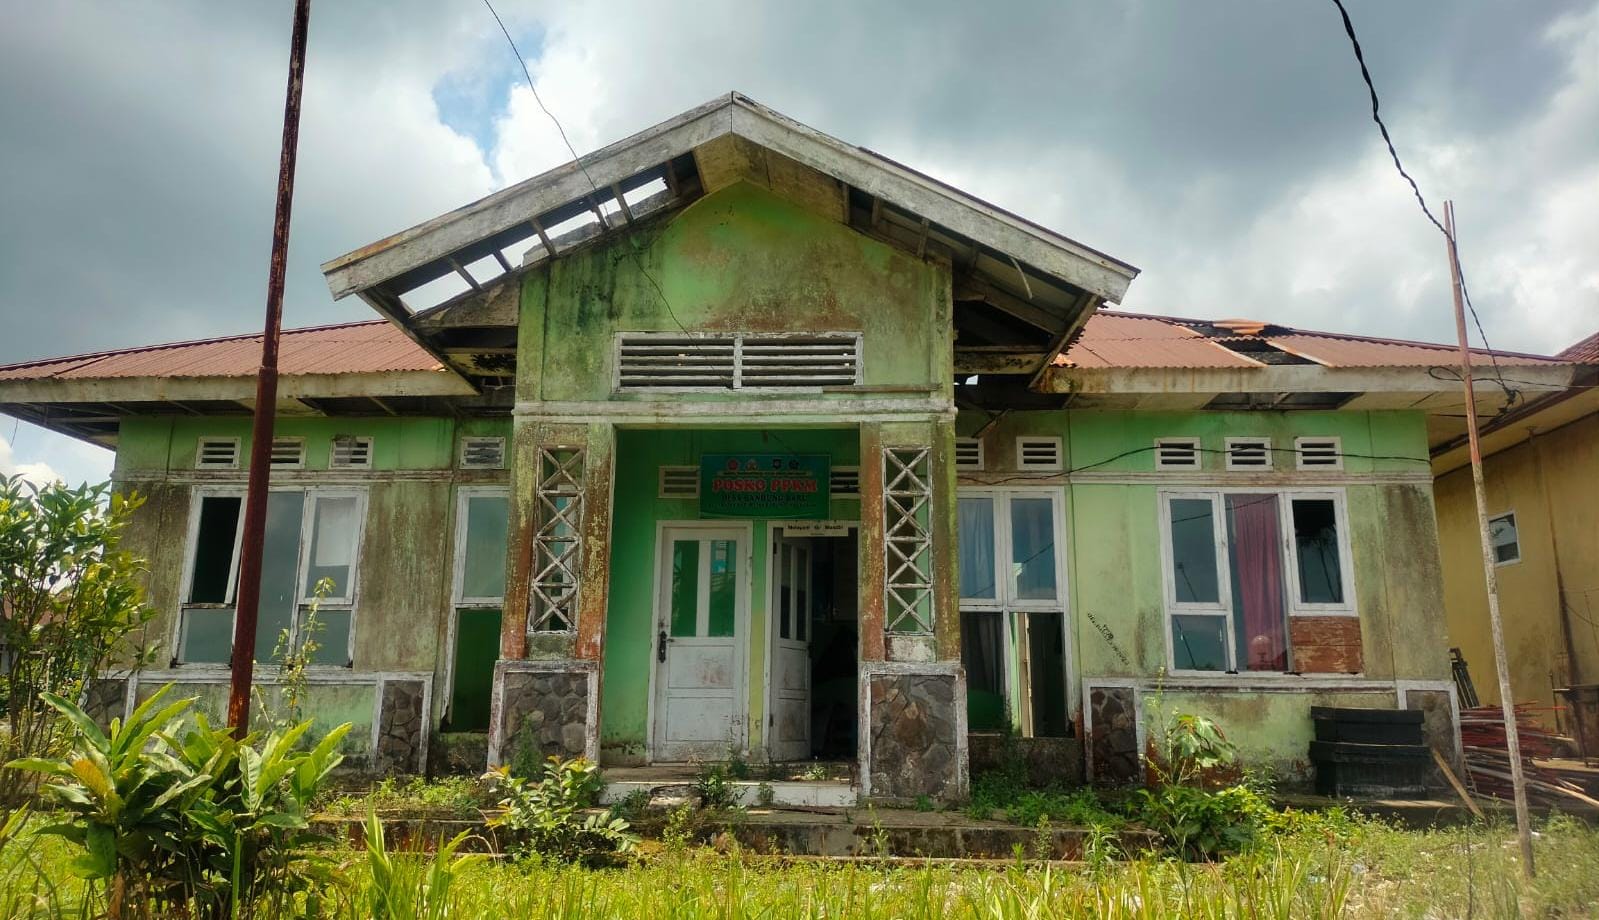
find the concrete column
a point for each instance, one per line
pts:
(870, 544)
(599, 485)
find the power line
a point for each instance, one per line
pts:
(594, 186)
(1376, 116)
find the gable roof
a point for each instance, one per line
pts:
(1583, 352)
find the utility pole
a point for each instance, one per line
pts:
(1507, 702)
(266, 395)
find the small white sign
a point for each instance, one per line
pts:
(815, 529)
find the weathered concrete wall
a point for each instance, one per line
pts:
(1552, 485)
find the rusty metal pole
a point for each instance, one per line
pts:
(248, 601)
(1507, 701)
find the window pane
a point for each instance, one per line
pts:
(280, 558)
(802, 594)
(1503, 531)
(785, 592)
(213, 549)
(1199, 643)
(487, 524)
(724, 586)
(982, 654)
(207, 636)
(1255, 550)
(1321, 576)
(1193, 551)
(332, 636)
(685, 587)
(1046, 645)
(1032, 528)
(975, 515)
(332, 545)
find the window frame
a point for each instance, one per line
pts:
(1007, 606)
(302, 602)
(1515, 523)
(1295, 607)
(463, 498)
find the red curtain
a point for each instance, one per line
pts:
(1258, 586)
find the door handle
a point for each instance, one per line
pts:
(660, 647)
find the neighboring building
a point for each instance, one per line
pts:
(1541, 473)
(739, 439)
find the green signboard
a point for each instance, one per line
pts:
(779, 486)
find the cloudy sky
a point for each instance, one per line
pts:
(1223, 147)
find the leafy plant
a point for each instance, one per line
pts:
(389, 886)
(715, 787)
(72, 606)
(294, 661)
(208, 822)
(548, 815)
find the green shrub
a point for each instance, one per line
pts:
(198, 822)
(388, 886)
(547, 816)
(715, 788)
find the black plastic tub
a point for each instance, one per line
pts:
(1349, 769)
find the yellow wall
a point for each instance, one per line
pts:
(1566, 462)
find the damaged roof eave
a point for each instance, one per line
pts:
(381, 384)
(983, 223)
(1135, 381)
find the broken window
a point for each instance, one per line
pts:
(1013, 625)
(324, 524)
(1239, 564)
(1507, 544)
(482, 531)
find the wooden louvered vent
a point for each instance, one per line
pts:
(716, 361)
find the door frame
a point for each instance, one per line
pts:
(772, 533)
(741, 617)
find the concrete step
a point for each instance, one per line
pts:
(749, 793)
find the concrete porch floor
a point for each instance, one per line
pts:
(673, 784)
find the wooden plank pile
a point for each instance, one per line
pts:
(1482, 735)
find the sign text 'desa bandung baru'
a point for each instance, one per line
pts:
(781, 486)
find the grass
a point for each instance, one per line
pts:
(1307, 867)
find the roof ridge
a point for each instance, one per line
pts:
(88, 358)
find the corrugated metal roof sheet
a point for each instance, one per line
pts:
(350, 348)
(1115, 339)
(1585, 351)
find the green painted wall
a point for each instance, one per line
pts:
(740, 259)
(629, 624)
(327, 706)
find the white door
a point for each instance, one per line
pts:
(700, 609)
(794, 596)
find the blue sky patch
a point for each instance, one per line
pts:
(471, 101)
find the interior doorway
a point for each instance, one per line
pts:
(814, 615)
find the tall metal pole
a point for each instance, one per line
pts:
(266, 394)
(1507, 701)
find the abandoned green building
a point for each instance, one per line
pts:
(738, 440)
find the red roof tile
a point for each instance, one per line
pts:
(351, 348)
(1585, 351)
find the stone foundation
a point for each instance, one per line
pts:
(1113, 736)
(544, 709)
(106, 698)
(402, 729)
(915, 736)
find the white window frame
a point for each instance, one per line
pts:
(363, 439)
(661, 475)
(1338, 453)
(1291, 587)
(1058, 464)
(199, 451)
(1004, 604)
(467, 441)
(976, 466)
(463, 497)
(736, 366)
(299, 459)
(302, 595)
(1514, 522)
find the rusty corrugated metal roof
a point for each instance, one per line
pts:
(1584, 352)
(1126, 340)
(368, 347)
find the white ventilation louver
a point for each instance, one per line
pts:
(1249, 453)
(844, 480)
(663, 361)
(1177, 454)
(1038, 455)
(288, 453)
(217, 454)
(482, 453)
(351, 453)
(968, 454)
(680, 482)
(1319, 453)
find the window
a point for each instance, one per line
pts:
(844, 482)
(288, 453)
(1039, 455)
(1177, 454)
(351, 453)
(1239, 563)
(216, 454)
(679, 482)
(1507, 545)
(968, 453)
(1319, 453)
(312, 539)
(1013, 623)
(482, 454)
(733, 361)
(482, 526)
